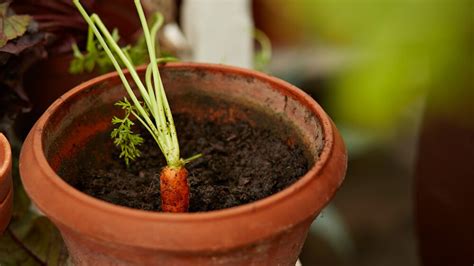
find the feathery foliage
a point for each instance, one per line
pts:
(153, 112)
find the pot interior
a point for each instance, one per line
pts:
(207, 94)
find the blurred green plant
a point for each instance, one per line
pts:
(12, 26)
(263, 55)
(402, 50)
(95, 58)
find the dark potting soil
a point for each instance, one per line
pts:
(240, 164)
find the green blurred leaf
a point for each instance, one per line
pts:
(11, 26)
(77, 63)
(95, 57)
(15, 26)
(138, 53)
(76, 66)
(3, 9)
(262, 56)
(90, 61)
(3, 14)
(402, 49)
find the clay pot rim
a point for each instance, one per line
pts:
(5, 165)
(302, 97)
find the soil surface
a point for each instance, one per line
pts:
(240, 164)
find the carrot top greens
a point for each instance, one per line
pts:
(152, 110)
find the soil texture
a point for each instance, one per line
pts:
(240, 164)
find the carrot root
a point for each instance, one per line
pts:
(174, 189)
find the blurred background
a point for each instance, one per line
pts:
(396, 76)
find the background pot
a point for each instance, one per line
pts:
(267, 232)
(6, 185)
(55, 79)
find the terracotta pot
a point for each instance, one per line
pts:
(270, 231)
(6, 184)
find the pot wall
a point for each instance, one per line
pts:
(269, 232)
(6, 185)
(272, 251)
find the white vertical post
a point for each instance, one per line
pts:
(219, 31)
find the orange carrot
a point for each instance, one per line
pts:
(174, 189)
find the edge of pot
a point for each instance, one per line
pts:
(6, 183)
(5, 167)
(133, 227)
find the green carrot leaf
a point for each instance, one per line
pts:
(154, 111)
(123, 136)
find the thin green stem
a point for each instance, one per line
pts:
(154, 31)
(103, 43)
(90, 20)
(171, 138)
(152, 91)
(90, 40)
(123, 57)
(153, 63)
(192, 158)
(108, 51)
(155, 136)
